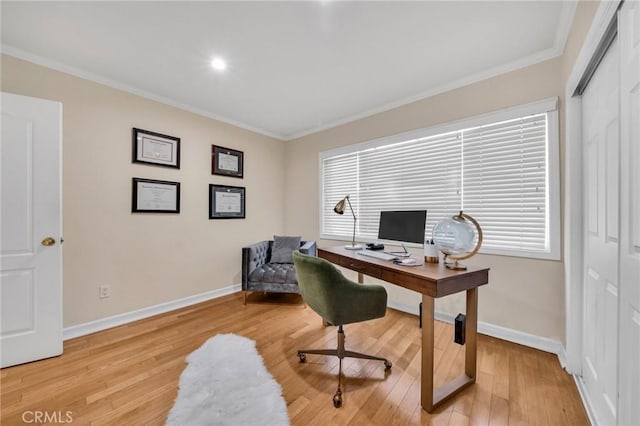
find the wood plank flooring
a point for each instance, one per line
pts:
(128, 375)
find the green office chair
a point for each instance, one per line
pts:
(339, 301)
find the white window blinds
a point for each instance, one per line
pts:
(505, 182)
(498, 172)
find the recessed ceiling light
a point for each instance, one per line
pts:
(218, 64)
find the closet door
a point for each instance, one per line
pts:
(601, 157)
(629, 365)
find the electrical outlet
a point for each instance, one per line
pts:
(104, 291)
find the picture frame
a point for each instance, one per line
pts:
(155, 148)
(227, 202)
(227, 162)
(154, 196)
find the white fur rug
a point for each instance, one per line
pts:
(226, 383)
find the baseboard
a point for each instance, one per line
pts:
(526, 339)
(542, 343)
(120, 319)
(403, 307)
(586, 402)
(562, 357)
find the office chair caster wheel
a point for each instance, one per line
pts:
(337, 399)
(387, 365)
(303, 357)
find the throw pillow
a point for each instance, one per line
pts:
(282, 249)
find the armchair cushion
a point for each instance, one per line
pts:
(283, 247)
(276, 277)
(260, 273)
(274, 273)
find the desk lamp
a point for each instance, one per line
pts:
(339, 208)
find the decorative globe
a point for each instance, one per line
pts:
(453, 236)
(456, 238)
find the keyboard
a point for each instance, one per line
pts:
(377, 254)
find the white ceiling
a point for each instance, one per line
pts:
(293, 67)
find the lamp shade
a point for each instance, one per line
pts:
(339, 208)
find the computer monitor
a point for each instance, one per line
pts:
(406, 226)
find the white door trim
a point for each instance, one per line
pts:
(573, 241)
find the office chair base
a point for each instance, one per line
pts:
(341, 353)
(302, 355)
(337, 399)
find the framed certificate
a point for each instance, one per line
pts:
(226, 202)
(156, 149)
(226, 161)
(155, 196)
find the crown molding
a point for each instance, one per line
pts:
(567, 14)
(475, 78)
(562, 33)
(566, 18)
(96, 78)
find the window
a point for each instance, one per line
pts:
(501, 168)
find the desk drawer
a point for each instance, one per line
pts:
(331, 257)
(357, 265)
(362, 267)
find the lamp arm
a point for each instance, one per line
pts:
(353, 239)
(351, 208)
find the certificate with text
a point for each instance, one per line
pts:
(226, 202)
(154, 196)
(156, 149)
(227, 161)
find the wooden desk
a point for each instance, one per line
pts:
(432, 280)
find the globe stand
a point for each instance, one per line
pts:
(455, 265)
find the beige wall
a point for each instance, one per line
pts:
(523, 294)
(150, 259)
(146, 258)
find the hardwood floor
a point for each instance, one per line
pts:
(128, 375)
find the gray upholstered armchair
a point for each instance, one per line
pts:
(260, 273)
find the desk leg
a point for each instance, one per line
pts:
(430, 397)
(426, 390)
(471, 329)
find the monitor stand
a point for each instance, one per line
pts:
(404, 253)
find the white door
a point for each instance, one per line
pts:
(600, 135)
(629, 368)
(31, 268)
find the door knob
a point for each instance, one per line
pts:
(48, 242)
